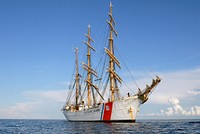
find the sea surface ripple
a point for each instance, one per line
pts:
(9, 126)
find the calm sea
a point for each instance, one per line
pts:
(62, 126)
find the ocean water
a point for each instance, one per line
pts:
(65, 127)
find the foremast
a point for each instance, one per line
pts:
(113, 76)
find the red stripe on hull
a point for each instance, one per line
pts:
(107, 111)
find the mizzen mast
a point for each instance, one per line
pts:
(113, 60)
(77, 78)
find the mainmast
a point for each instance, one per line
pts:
(113, 60)
(88, 68)
(77, 77)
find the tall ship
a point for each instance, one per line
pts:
(86, 100)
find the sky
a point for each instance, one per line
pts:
(37, 41)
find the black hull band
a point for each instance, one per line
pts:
(105, 121)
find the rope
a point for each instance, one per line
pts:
(127, 69)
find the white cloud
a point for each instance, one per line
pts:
(19, 110)
(50, 95)
(174, 101)
(177, 109)
(37, 105)
(194, 92)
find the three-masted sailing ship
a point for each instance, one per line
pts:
(94, 107)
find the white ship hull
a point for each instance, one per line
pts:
(121, 110)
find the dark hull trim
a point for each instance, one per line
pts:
(105, 121)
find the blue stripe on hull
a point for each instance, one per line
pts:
(102, 109)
